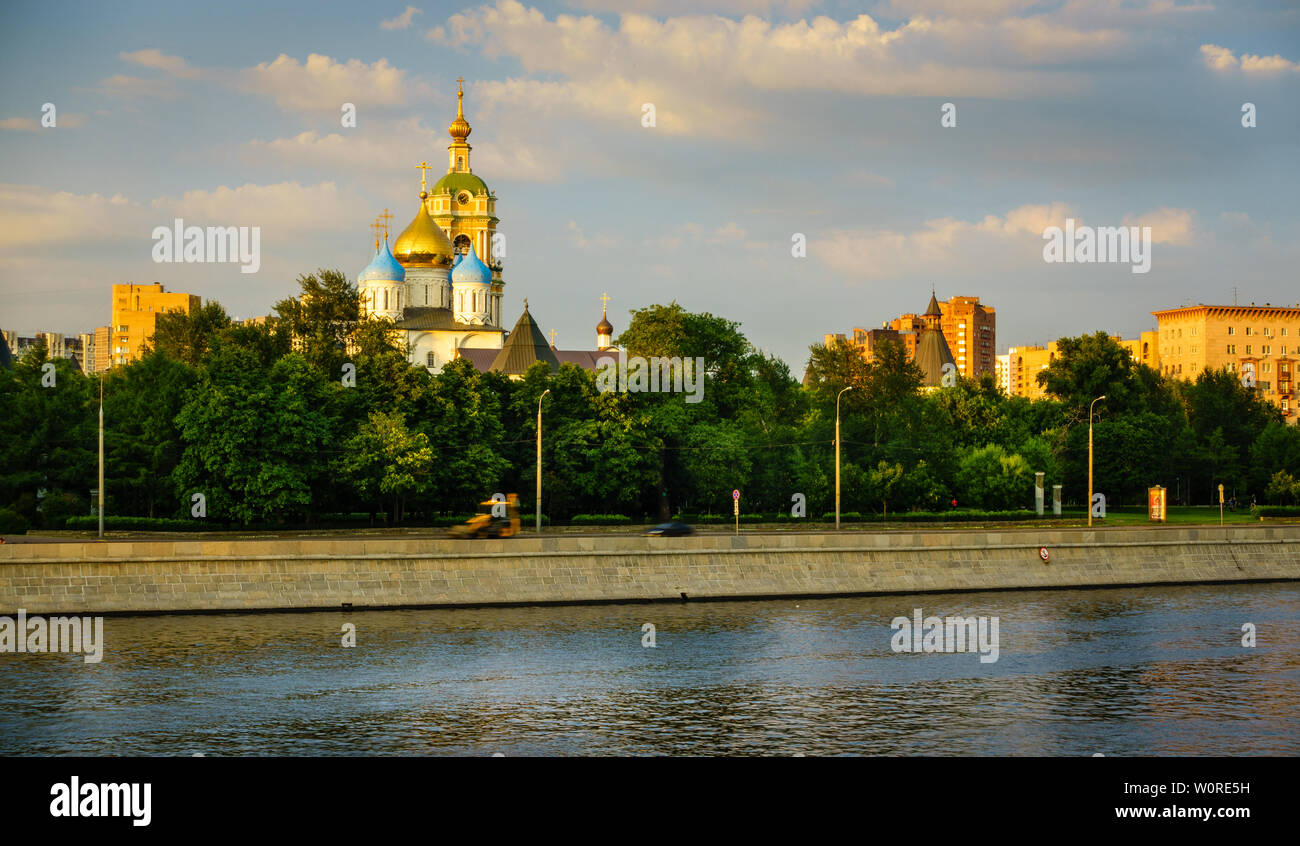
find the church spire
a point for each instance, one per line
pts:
(458, 150)
(604, 331)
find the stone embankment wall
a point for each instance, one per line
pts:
(299, 573)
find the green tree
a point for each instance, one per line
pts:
(254, 439)
(990, 478)
(387, 461)
(462, 417)
(188, 336)
(47, 431)
(1277, 448)
(142, 443)
(323, 318)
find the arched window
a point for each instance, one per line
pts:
(462, 244)
(460, 162)
(385, 299)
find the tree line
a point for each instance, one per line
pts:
(317, 412)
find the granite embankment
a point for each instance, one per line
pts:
(299, 573)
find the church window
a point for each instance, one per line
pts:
(385, 299)
(430, 360)
(460, 162)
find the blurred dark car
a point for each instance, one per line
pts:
(671, 530)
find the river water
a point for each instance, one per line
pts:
(1134, 671)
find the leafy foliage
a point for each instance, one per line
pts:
(256, 418)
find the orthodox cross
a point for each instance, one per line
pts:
(604, 302)
(376, 227)
(422, 167)
(552, 337)
(385, 217)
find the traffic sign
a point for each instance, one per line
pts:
(735, 494)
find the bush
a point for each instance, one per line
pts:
(12, 523)
(845, 517)
(600, 519)
(1276, 510)
(139, 524)
(961, 515)
(59, 506)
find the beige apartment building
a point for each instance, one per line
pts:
(968, 327)
(1266, 337)
(1145, 349)
(1017, 371)
(135, 313)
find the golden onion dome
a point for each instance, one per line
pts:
(460, 128)
(423, 242)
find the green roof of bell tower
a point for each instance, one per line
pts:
(454, 182)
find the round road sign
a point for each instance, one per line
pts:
(1044, 554)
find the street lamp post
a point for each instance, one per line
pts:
(1094, 402)
(101, 457)
(539, 458)
(837, 456)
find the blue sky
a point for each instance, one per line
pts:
(772, 119)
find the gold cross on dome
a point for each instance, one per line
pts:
(552, 337)
(422, 167)
(386, 217)
(376, 227)
(460, 83)
(604, 301)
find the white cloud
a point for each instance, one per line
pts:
(1222, 59)
(153, 58)
(287, 206)
(325, 84)
(65, 120)
(941, 245)
(396, 147)
(979, 9)
(126, 87)
(949, 246)
(21, 124)
(402, 21)
(712, 75)
(1168, 226)
(31, 217)
(695, 7)
(595, 242)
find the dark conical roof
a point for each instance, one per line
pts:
(525, 346)
(933, 308)
(932, 353)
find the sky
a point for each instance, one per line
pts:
(771, 120)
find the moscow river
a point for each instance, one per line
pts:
(1134, 671)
